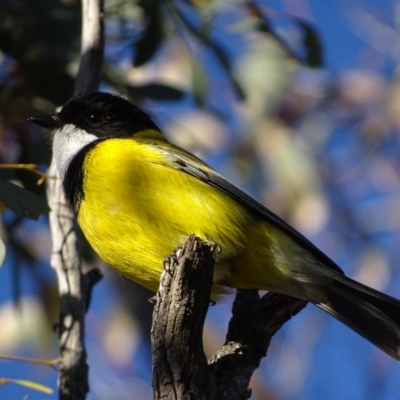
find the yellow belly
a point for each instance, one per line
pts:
(149, 208)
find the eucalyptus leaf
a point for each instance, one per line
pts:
(24, 203)
(155, 91)
(218, 51)
(150, 41)
(312, 44)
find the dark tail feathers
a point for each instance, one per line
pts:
(372, 314)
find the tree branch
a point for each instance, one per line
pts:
(180, 370)
(74, 287)
(254, 321)
(92, 47)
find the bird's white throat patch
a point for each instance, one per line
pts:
(67, 142)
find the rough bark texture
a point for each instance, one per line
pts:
(180, 369)
(73, 376)
(254, 321)
(74, 287)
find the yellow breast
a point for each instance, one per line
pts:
(138, 207)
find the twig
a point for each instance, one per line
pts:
(254, 322)
(50, 363)
(27, 167)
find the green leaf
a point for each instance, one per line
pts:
(263, 24)
(155, 91)
(152, 37)
(199, 82)
(311, 38)
(24, 203)
(218, 51)
(29, 384)
(224, 61)
(312, 44)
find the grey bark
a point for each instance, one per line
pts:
(74, 287)
(180, 368)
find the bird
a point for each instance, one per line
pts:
(137, 197)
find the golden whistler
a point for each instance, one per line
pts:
(137, 197)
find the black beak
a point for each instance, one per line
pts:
(46, 121)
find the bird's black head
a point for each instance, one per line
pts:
(101, 114)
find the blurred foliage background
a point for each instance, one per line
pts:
(297, 102)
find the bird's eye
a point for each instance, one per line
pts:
(95, 119)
